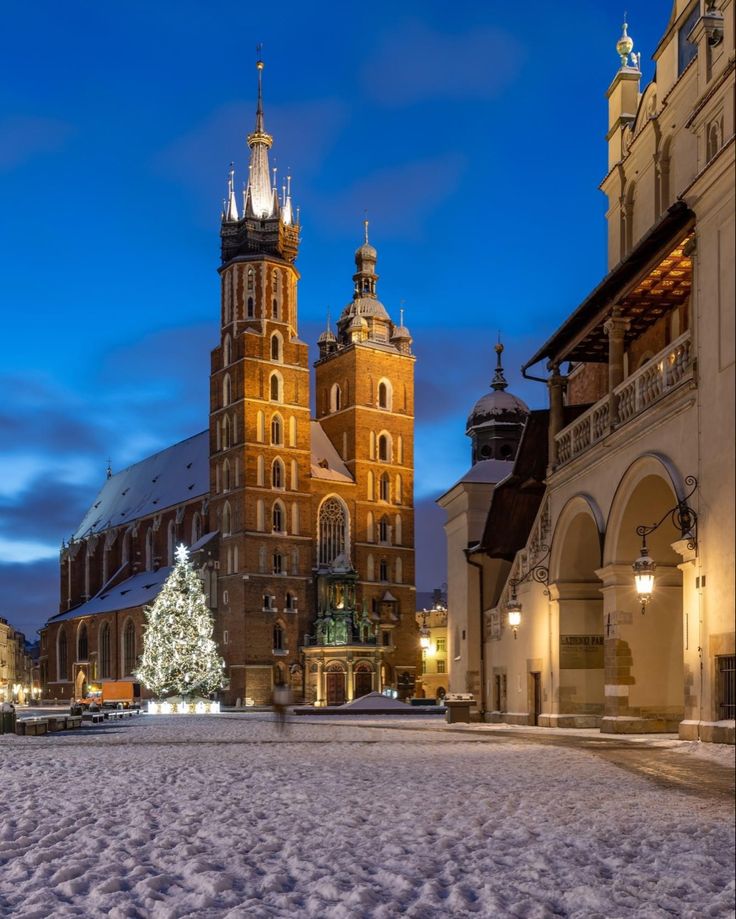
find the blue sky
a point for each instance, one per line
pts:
(475, 144)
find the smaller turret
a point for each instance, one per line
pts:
(497, 420)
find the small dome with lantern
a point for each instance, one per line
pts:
(497, 420)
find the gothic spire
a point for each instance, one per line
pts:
(260, 192)
(230, 211)
(499, 380)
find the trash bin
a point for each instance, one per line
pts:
(458, 708)
(7, 718)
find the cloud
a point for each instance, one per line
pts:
(399, 197)
(22, 137)
(48, 509)
(415, 63)
(30, 594)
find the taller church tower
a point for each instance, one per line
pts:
(260, 432)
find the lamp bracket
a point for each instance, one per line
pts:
(682, 517)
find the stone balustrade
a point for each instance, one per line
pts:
(643, 388)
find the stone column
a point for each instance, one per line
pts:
(691, 649)
(556, 385)
(349, 687)
(320, 684)
(616, 328)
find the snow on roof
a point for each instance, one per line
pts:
(141, 589)
(175, 475)
(326, 462)
(486, 472)
(376, 701)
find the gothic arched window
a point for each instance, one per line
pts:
(335, 398)
(227, 350)
(276, 347)
(384, 395)
(62, 656)
(105, 649)
(275, 388)
(196, 527)
(82, 643)
(384, 448)
(277, 430)
(333, 530)
(171, 538)
(227, 521)
(277, 474)
(277, 517)
(278, 637)
(384, 488)
(384, 530)
(128, 647)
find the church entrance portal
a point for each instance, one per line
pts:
(363, 683)
(335, 687)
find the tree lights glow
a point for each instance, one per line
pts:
(179, 654)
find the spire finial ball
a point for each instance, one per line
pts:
(625, 44)
(259, 65)
(498, 348)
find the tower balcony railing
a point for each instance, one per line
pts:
(655, 379)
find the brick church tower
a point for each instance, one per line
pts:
(365, 405)
(315, 518)
(260, 432)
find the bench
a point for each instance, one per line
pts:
(31, 727)
(57, 723)
(73, 722)
(93, 717)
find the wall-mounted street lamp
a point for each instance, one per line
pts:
(684, 519)
(538, 573)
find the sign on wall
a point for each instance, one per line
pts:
(581, 652)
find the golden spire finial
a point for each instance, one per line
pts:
(625, 44)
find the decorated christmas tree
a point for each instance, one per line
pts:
(179, 654)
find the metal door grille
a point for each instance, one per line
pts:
(727, 687)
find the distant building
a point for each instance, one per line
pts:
(16, 668)
(495, 427)
(432, 622)
(302, 528)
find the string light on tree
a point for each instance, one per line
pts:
(179, 654)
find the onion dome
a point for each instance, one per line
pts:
(497, 405)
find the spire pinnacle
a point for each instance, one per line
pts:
(230, 212)
(365, 230)
(625, 45)
(259, 178)
(498, 382)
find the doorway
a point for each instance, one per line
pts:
(335, 686)
(363, 683)
(536, 696)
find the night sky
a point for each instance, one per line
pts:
(475, 147)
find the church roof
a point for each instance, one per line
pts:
(177, 474)
(139, 590)
(326, 461)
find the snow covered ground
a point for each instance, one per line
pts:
(223, 816)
